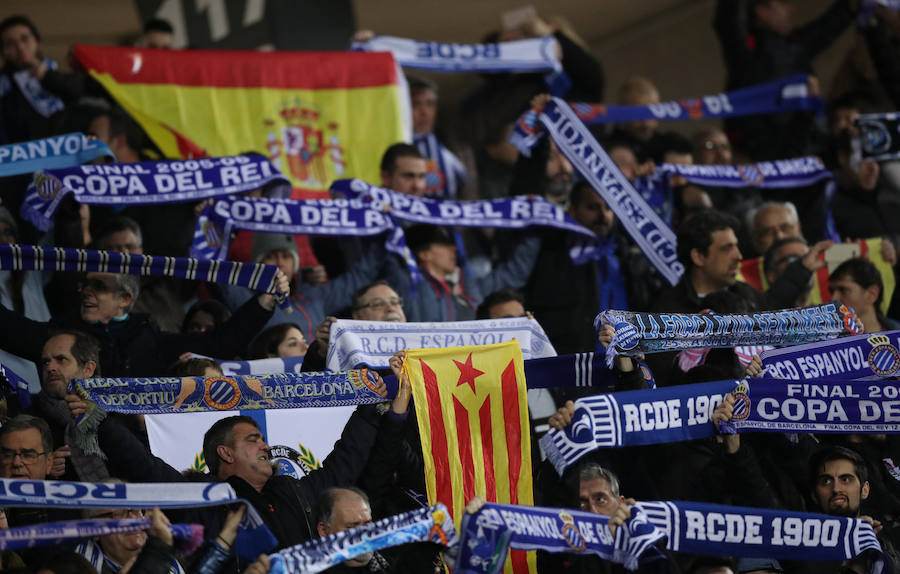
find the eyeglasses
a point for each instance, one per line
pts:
(95, 285)
(29, 456)
(121, 513)
(379, 304)
(711, 145)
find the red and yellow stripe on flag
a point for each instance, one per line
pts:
(318, 116)
(753, 273)
(472, 410)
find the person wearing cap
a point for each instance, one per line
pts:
(759, 566)
(310, 304)
(444, 293)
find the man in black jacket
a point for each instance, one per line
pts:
(131, 345)
(236, 452)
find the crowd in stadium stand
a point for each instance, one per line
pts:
(78, 326)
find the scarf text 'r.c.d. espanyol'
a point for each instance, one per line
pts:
(147, 182)
(253, 538)
(523, 56)
(55, 152)
(785, 95)
(716, 530)
(432, 524)
(871, 355)
(673, 414)
(637, 333)
(373, 343)
(489, 533)
(653, 235)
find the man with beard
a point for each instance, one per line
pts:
(67, 355)
(591, 286)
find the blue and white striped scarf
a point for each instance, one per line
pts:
(521, 56)
(50, 153)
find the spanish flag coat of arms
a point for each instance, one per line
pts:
(318, 116)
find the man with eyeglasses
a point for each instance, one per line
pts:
(373, 302)
(26, 452)
(131, 344)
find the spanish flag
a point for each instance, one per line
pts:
(317, 116)
(753, 273)
(472, 410)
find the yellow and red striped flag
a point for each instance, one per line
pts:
(472, 410)
(317, 116)
(753, 273)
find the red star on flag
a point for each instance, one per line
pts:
(467, 373)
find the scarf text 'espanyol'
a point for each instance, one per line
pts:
(489, 533)
(653, 235)
(871, 355)
(55, 152)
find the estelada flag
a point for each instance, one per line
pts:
(317, 116)
(753, 273)
(472, 410)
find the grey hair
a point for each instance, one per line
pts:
(592, 470)
(129, 284)
(750, 218)
(324, 511)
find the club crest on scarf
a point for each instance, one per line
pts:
(570, 532)
(293, 462)
(884, 359)
(751, 174)
(741, 401)
(303, 143)
(47, 185)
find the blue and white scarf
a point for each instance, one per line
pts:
(785, 95)
(652, 235)
(577, 370)
(446, 174)
(373, 343)
(637, 333)
(50, 153)
(254, 537)
(521, 56)
(165, 395)
(43, 101)
(146, 182)
(93, 553)
(432, 524)
(488, 534)
(15, 385)
(255, 276)
(880, 136)
(673, 414)
(862, 356)
(50, 533)
(779, 174)
(717, 530)
(507, 213)
(212, 236)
